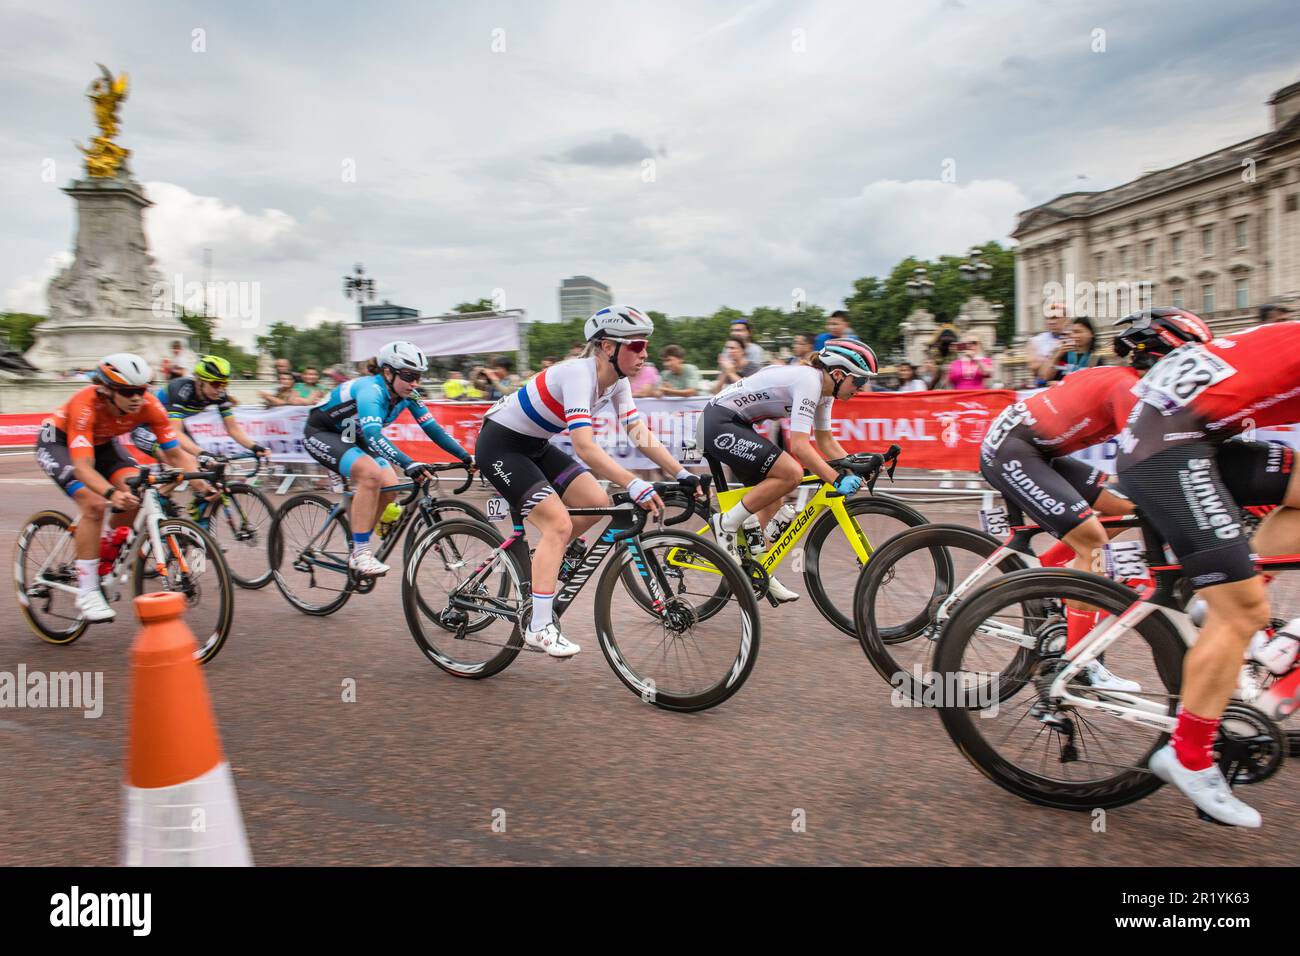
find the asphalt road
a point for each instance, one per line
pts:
(580, 771)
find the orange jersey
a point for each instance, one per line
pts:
(88, 420)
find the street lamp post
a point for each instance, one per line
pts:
(357, 286)
(920, 286)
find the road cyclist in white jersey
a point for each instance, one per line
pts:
(804, 393)
(540, 480)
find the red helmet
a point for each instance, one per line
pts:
(1154, 333)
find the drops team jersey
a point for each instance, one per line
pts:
(778, 391)
(182, 399)
(88, 420)
(1236, 381)
(369, 402)
(1088, 407)
(562, 396)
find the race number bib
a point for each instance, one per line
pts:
(1174, 382)
(1125, 560)
(1011, 416)
(995, 522)
(498, 509)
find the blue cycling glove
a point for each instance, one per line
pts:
(848, 484)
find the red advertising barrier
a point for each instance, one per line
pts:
(939, 430)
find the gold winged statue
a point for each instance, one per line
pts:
(104, 158)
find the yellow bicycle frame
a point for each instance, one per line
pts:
(790, 537)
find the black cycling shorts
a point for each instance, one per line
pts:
(56, 461)
(524, 469)
(727, 438)
(1056, 493)
(331, 450)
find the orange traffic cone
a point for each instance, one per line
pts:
(181, 806)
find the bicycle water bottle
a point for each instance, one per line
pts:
(572, 559)
(753, 536)
(1279, 653)
(388, 518)
(780, 521)
(110, 546)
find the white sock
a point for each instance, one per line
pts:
(541, 610)
(735, 516)
(87, 575)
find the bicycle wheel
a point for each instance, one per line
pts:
(43, 557)
(1045, 750)
(315, 579)
(675, 658)
(241, 524)
(462, 559)
(444, 509)
(831, 566)
(193, 567)
(905, 588)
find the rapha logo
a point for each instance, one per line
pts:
(498, 469)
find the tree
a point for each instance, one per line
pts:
(243, 364)
(321, 346)
(482, 305)
(17, 328)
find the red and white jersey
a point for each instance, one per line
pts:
(562, 396)
(778, 391)
(1238, 381)
(1089, 407)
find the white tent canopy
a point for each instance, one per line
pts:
(442, 335)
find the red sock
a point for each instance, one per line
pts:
(1193, 740)
(1057, 556)
(1077, 625)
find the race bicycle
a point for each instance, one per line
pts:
(826, 567)
(162, 552)
(1018, 707)
(311, 540)
(239, 519)
(681, 635)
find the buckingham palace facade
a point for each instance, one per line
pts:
(1219, 235)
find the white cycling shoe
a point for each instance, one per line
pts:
(1206, 788)
(780, 591)
(1102, 679)
(94, 608)
(366, 565)
(727, 539)
(550, 640)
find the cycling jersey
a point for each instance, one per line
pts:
(369, 403)
(182, 399)
(778, 391)
(1086, 409)
(86, 420)
(562, 396)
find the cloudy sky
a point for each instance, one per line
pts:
(690, 154)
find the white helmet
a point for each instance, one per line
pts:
(619, 322)
(400, 355)
(124, 368)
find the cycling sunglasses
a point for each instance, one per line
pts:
(130, 391)
(407, 374)
(636, 345)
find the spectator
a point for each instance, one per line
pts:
(501, 372)
(175, 364)
(908, 381)
(802, 349)
(645, 384)
(1078, 350)
(680, 379)
(458, 389)
(930, 374)
(733, 365)
(1043, 346)
(1273, 312)
(548, 362)
(483, 381)
(970, 368)
(337, 374)
(837, 327)
(288, 393)
(741, 331)
(312, 386)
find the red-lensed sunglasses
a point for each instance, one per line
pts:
(636, 345)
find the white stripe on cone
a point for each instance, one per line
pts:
(196, 823)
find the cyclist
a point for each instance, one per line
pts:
(539, 479)
(186, 397)
(1025, 454)
(1179, 469)
(345, 434)
(804, 392)
(76, 448)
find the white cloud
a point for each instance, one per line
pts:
(27, 294)
(320, 314)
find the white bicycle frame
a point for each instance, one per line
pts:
(144, 529)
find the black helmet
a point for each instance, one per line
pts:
(1154, 333)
